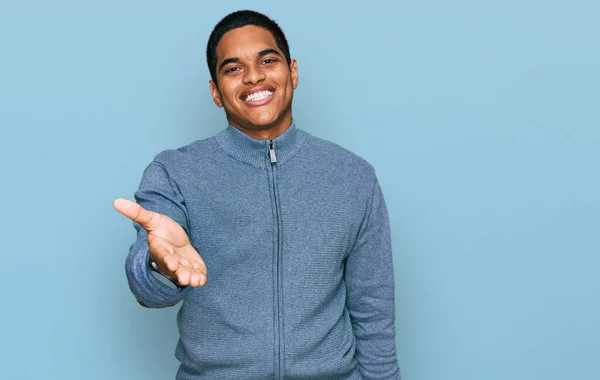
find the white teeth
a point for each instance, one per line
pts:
(258, 95)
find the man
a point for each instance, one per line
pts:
(278, 241)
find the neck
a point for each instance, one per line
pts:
(268, 133)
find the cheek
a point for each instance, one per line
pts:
(227, 93)
(287, 83)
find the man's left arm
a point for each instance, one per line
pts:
(369, 281)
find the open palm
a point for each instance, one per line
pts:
(169, 245)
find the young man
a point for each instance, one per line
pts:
(278, 241)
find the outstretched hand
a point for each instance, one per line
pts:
(168, 244)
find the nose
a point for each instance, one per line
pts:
(253, 75)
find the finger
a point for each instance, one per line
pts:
(194, 264)
(194, 279)
(198, 276)
(171, 263)
(162, 255)
(197, 279)
(188, 277)
(202, 278)
(200, 268)
(195, 260)
(196, 270)
(183, 276)
(135, 212)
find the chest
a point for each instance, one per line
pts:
(307, 219)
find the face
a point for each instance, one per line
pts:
(254, 85)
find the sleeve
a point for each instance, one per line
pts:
(159, 193)
(369, 281)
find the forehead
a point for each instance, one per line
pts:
(245, 41)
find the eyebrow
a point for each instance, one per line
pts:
(261, 53)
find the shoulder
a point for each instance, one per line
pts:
(184, 155)
(341, 158)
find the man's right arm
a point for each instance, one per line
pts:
(159, 194)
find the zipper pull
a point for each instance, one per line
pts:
(272, 153)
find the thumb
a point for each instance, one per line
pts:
(134, 212)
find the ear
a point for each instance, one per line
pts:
(214, 90)
(294, 73)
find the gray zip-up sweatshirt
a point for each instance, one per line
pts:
(295, 235)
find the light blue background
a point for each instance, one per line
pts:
(481, 118)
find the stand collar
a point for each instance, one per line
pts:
(242, 147)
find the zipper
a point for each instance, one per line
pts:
(278, 296)
(272, 155)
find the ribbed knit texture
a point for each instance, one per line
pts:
(300, 275)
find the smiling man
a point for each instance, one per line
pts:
(277, 242)
(254, 81)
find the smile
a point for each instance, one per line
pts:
(258, 96)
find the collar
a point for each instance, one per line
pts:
(242, 147)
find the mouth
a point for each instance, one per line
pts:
(258, 96)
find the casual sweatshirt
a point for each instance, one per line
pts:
(295, 236)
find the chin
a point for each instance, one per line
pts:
(264, 122)
(257, 120)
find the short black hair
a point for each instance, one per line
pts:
(236, 20)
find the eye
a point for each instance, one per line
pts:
(232, 69)
(269, 60)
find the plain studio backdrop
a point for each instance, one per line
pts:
(481, 119)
